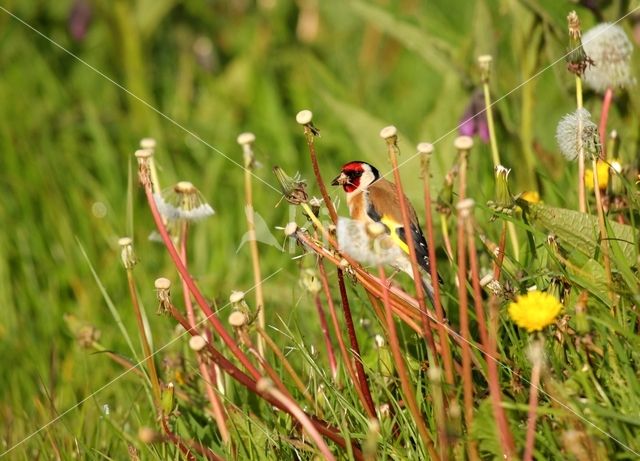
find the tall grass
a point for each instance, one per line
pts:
(70, 189)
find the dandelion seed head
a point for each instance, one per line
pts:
(610, 49)
(570, 138)
(183, 202)
(355, 240)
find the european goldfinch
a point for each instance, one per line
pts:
(371, 198)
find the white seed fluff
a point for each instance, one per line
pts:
(610, 49)
(570, 138)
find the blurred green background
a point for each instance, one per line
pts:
(71, 120)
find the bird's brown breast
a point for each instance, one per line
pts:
(357, 206)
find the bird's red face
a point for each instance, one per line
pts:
(354, 175)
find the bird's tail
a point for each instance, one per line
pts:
(425, 279)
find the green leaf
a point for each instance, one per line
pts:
(579, 231)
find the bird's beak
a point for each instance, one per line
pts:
(340, 180)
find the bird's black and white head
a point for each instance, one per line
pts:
(356, 176)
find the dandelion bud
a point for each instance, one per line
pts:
(127, 254)
(577, 59)
(503, 202)
(445, 195)
(167, 399)
(293, 189)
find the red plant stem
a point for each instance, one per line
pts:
(327, 337)
(602, 128)
(497, 267)
(355, 348)
(294, 410)
(443, 337)
(346, 357)
(234, 372)
(406, 222)
(506, 438)
(184, 233)
(216, 406)
(406, 306)
(405, 383)
(502, 423)
(533, 411)
(467, 383)
(225, 364)
(310, 137)
(186, 277)
(186, 449)
(334, 319)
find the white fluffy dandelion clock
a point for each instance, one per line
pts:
(610, 49)
(367, 246)
(575, 131)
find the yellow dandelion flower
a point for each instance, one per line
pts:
(535, 310)
(531, 196)
(603, 176)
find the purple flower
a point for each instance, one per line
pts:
(474, 119)
(79, 19)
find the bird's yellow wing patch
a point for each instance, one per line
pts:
(393, 228)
